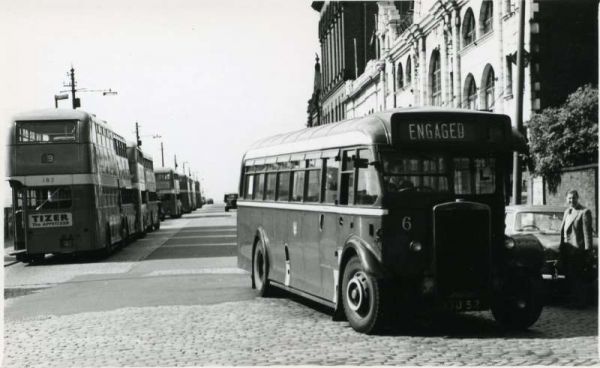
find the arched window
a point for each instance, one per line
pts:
(470, 93)
(436, 79)
(408, 72)
(488, 84)
(486, 17)
(468, 31)
(400, 77)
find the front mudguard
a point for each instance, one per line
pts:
(370, 259)
(527, 254)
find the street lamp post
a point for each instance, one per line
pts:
(72, 83)
(62, 96)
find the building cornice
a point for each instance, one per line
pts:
(371, 74)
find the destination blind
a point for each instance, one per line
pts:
(449, 132)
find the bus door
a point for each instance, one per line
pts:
(328, 226)
(19, 216)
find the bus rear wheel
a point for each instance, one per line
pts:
(519, 304)
(362, 298)
(260, 280)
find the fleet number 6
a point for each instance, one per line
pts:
(407, 223)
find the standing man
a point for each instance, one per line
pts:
(576, 246)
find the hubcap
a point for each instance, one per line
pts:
(357, 292)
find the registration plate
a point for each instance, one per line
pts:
(463, 305)
(46, 220)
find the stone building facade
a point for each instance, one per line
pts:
(457, 53)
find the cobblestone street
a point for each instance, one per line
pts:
(280, 331)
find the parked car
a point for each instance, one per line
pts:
(209, 201)
(543, 222)
(230, 201)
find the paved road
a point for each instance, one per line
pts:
(176, 298)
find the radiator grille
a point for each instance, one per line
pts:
(462, 250)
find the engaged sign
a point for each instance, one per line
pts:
(50, 220)
(417, 131)
(436, 131)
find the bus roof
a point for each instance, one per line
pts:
(42, 115)
(162, 170)
(371, 129)
(53, 114)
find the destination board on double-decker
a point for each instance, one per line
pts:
(447, 130)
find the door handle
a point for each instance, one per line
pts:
(341, 221)
(321, 219)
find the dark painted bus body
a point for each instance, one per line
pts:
(69, 176)
(167, 186)
(397, 211)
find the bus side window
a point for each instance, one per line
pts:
(249, 190)
(283, 185)
(260, 187)
(313, 180)
(347, 178)
(298, 181)
(367, 186)
(331, 180)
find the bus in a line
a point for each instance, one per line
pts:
(167, 186)
(142, 176)
(70, 183)
(198, 193)
(184, 193)
(382, 216)
(151, 196)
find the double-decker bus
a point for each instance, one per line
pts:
(381, 216)
(192, 191)
(184, 193)
(70, 178)
(198, 193)
(152, 201)
(144, 183)
(167, 185)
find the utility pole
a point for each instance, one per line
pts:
(162, 154)
(73, 87)
(137, 134)
(75, 101)
(517, 175)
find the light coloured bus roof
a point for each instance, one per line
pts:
(62, 114)
(53, 114)
(371, 129)
(162, 170)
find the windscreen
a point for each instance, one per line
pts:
(437, 173)
(46, 131)
(544, 222)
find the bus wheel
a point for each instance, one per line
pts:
(362, 298)
(260, 280)
(519, 304)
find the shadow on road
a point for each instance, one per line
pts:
(556, 322)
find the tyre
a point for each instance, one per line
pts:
(362, 298)
(520, 303)
(260, 269)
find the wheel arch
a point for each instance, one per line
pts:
(260, 234)
(355, 246)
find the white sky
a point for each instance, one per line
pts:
(210, 77)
